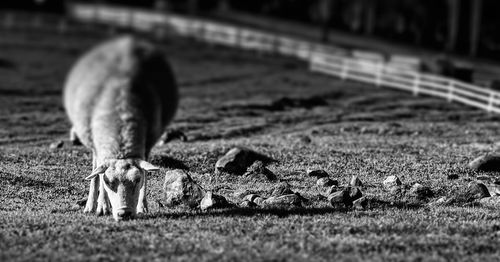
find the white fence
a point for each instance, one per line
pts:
(399, 72)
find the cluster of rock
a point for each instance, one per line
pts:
(181, 189)
(281, 196)
(243, 161)
(339, 196)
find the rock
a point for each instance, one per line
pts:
(477, 191)
(241, 193)
(237, 160)
(493, 188)
(251, 197)
(354, 193)
(259, 201)
(345, 196)
(452, 176)
(56, 145)
(340, 199)
(211, 201)
(180, 189)
(486, 163)
(493, 201)
(259, 169)
(474, 192)
(332, 190)
(440, 201)
(326, 182)
(302, 199)
(392, 184)
(247, 204)
(420, 192)
(282, 201)
(355, 182)
(360, 203)
(282, 188)
(318, 173)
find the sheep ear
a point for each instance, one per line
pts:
(147, 166)
(97, 171)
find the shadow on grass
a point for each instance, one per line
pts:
(280, 212)
(22, 181)
(167, 162)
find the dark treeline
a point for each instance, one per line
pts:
(456, 26)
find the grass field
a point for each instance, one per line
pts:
(228, 99)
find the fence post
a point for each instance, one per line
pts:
(490, 102)
(451, 88)
(344, 72)
(416, 84)
(378, 76)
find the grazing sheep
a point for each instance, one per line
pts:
(119, 98)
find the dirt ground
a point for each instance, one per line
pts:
(234, 98)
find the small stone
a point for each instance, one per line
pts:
(340, 198)
(241, 193)
(180, 189)
(326, 182)
(259, 201)
(487, 163)
(452, 176)
(360, 203)
(251, 197)
(354, 193)
(392, 184)
(318, 173)
(283, 201)
(420, 192)
(56, 145)
(474, 192)
(477, 191)
(247, 204)
(237, 160)
(212, 201)
(302, 199)
(493, 188)
(355, 182)
(440, 201)
(331, 190)
(282, 188)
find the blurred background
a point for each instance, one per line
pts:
(466, 27)
(455, 38)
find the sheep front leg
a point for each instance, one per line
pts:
(142, 204)
(103, 205)
(91, 204)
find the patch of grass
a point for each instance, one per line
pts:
(361, 130)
